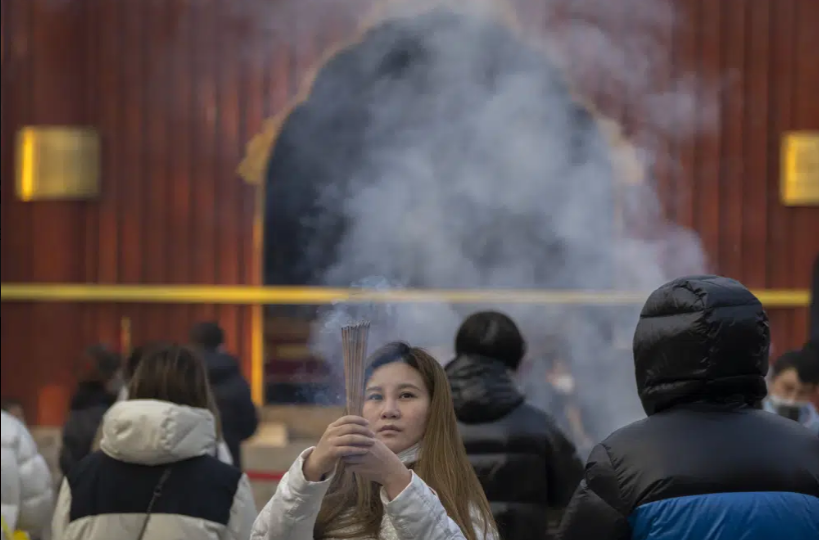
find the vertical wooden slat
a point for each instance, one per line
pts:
(230, 235)
(131, 94)
(687, 153)
(732, 171)
(16, 103)
(106, 49)
(206, 216)
(701, 182)
(57, 228)
(18, 379)
(664, 168)
(781, 97)
(159, 147)
(56, 48)
(782, 49)
(806, 116)
(126, 116)
(181, 229)
(89, 100)
(758, 69)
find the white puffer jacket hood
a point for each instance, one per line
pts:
(106, 496)
(222, 452)
(27, 492)
(151, 432)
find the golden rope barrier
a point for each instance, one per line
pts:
(258, 296)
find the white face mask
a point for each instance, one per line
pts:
(777, 401)
(563, 384)
(789, 408)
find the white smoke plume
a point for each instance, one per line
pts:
(447, 152)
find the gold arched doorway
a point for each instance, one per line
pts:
(253, 170)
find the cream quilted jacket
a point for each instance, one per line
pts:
(415, 514)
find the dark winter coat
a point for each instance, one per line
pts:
(524, 462)
(232, 393)
(88, 405)
(707, 464)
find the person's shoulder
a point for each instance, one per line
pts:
(773, 425)
(16, 436)
(526, 409)
(215, 470)
(635, 431)
(532, 420)
(10, 429)
(678, 424)
(205, 470)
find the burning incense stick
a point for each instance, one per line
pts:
(354, 349)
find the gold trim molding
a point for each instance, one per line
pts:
(261, 296)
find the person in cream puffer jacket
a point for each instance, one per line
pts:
(157, 443)
(27, 493)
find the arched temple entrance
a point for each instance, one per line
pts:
(439, 150)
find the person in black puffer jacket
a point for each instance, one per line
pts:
(526, 465)
(230, 388)
(708, 463)
(95, 394)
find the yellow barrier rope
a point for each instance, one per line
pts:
(247, 295)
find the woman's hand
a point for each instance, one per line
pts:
(380, 464)
(346, 437)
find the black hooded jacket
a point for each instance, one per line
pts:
(232, 394)
(707, 463)
(524, 462)
(88, 406)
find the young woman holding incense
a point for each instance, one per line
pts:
(397, 472)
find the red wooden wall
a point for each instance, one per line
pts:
(177, 88)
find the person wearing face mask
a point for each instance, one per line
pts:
(792, 385)
(526, 464)
(397, 472)
(707, 463)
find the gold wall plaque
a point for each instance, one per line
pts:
(800, 169)
(57, 163)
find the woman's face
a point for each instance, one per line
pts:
(396, 404)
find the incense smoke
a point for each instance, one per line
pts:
(443, 151)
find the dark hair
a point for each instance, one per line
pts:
(208, 335)
(9, 403)
(396, 351)
(352, 507)
(100, 364)
(137, 353)
(805, 364)
(493, 335)
(173, 373)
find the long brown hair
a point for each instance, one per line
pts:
(174, 373)
(352, 507)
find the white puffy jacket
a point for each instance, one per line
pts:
(415, 514)
(222, 450)
(106, 495)
(27, 493)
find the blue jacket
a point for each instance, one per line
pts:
(707, 463)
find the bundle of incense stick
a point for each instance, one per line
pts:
(354, 349)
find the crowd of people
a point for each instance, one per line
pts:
(729, 448)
